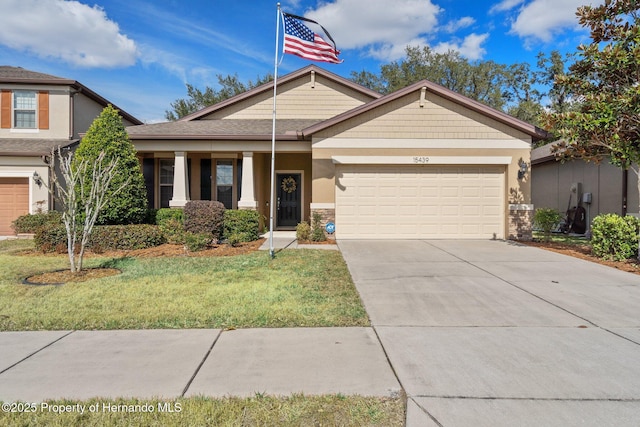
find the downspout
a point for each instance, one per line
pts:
(625, 185)
(72, 110)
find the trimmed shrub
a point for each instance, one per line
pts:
(173, 230)
(168, 213)
(51, 239)
(197, 241)
(125, 237)
(614, 237)
(107, 133)
(317, 233)
(303, 231)
(31, 223)
(547, 219)
(242, 225)
(204, 216)
(150, 218)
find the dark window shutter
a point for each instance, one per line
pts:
(148, 171)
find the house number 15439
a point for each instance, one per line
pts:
(420, 159)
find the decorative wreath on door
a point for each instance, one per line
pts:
(289, 185)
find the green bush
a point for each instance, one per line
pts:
(125, 237)
(30, 223)
(547, 219)
(614, 237)
(173, 230)
(107, 133)
(204, 216)
(197, 241)
(303, 231)
(168, 213)
(242, 225)
(317, 233)
(51, 239)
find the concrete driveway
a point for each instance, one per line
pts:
(492, 333)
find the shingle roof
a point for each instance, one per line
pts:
(220, 129)
(18, 73)
(31, 147)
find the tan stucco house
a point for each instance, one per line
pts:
(37, 113)
(423, 162)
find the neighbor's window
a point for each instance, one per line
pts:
(224, 183)
(166, 182)
(24, 109)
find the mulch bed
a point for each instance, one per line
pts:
(584, 252)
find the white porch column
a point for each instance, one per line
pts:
(247, 198)
(180, 181)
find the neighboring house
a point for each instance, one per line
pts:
(612, 189)
(423, 162)
(37, 113)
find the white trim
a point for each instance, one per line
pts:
(275, 184)
(30, 184)
(323, 205)
(24, 130)
(520, 207)
(394, 143)
(421, 160)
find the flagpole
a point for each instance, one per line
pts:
(273, 137)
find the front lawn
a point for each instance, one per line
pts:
(298, 288)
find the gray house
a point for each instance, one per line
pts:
(599, 188)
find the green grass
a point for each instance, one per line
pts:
(297, 410)
(297, 288)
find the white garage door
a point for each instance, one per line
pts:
(14, 201)
(421, 201)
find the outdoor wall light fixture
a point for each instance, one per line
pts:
(523, 170)
(38, 179)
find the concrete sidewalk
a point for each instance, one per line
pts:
(36, 366)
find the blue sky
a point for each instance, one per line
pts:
(139, 54)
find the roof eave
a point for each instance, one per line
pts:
(286, 137)
(535, 132)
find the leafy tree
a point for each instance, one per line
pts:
(107, 135)
(605, 79)
(512, 89)
(548, 69)
(198, 99)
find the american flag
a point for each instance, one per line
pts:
(301, 41)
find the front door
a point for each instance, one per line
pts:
(288, 204)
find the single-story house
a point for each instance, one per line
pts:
(422, 162)
(38, 112)
(599, 188)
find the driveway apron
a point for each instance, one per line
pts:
(490, 333)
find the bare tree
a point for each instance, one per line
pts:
(80, 202)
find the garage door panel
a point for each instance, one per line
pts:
(407, 201)
(14, 201)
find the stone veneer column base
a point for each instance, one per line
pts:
(520, 222)
(327, 215)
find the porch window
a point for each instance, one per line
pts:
(24, 109)
(166, 181)
(224, 182)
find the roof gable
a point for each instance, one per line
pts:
(425, 89)
(309, 93)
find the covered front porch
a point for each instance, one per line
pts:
(239, 180)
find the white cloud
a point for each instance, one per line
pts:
(505, 5)
(461, 23)
(76, 33)
(384, 31)
(471, 47)
(542, 19)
